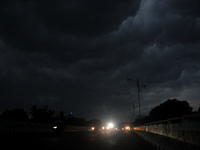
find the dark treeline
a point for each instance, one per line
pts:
(14, 115)
(42, 114)
(172, 108)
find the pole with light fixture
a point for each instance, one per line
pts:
(138, 92)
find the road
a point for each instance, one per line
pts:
(121, 140)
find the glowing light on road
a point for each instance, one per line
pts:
(92, 128)
(54, 127)
(110, 125)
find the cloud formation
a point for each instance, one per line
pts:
(77, 55)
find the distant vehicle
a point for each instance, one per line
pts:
(58, 128)
(126, 128)
(93, 128)
(105, 128)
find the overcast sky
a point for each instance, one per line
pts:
(76, 55)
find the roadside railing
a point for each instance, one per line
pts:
(186, 128)
(24, 127)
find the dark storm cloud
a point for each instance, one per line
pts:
(170, 33)
(76, 55)
(85, 17)
(39, 23)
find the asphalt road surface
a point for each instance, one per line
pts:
(121, 140)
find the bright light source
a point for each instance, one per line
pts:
(107, 128)
(103, 128)
(92, 128)
(55, 127)
(110, 125)
(127, 128)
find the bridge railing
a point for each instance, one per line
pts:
(186, 128)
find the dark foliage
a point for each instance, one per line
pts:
(14, 115)
(171, 108)
(94, 122)
(42, 115)
(74, 121)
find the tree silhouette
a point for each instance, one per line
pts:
(61, 115)
(94, 122)
(170, 109)
(42, 115)
(14, 115)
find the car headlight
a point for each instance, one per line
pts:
(110, 125)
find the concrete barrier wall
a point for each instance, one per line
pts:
(24, 127)
(186, 129)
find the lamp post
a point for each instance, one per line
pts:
(138, 92)
(134, 110)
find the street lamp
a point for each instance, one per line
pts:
(138, 92)
(134, 109)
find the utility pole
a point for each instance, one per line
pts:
(138, 92)
(134, 110)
